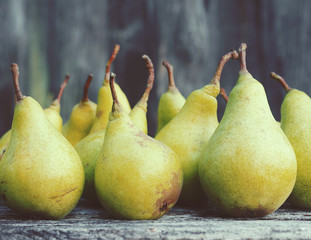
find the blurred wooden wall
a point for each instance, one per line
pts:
(49, 38)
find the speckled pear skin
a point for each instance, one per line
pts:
(296, 124)
(187, 134)
(41, 174)
(249, 167)
(136, 176)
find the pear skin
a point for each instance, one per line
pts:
(171, 101)
(104, 101)
(296, 124)
(136, 176)
(189, 131)
(81, 118)
(41, 174)
(249, 167)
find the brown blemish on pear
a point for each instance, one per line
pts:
(169, 196)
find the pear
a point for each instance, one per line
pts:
(296, 124)
(41, 174)
(52, 113)
(171, 101)
(138, 113)
(189, 131)
(104, 101)
(249, 167)
(90, 146)
(82, 117)
(136, 176)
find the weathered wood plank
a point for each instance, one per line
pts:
(89, 222)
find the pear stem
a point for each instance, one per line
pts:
(281, 80)
(15, 72)
(232, 54)
(170, 71)
(87, 84)
(224, 94)
(113, 91)
(242, 57)
(111, 59)
(150, 81)
(62, 87)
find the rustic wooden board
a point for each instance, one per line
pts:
(49, 38)
(92, 222)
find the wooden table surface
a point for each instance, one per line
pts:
(92, 222)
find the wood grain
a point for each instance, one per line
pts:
(91, 222)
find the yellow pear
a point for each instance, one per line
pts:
(52, 113)
(104, 101)
(81, 118)
(139, 111)
(136, 176)
(296, 124)
(248, 167)
(171, 101)
(41, 174)
(189, 131)
(90, 146)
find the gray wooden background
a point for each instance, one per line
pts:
(49, 38)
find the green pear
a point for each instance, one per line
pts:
(40, 173)
(171, 101)
(296, 124)
(248, 167)
(136, 176)
(104, 101)
(82, 117)
(52, 113)
(189, 131)
(90, 146)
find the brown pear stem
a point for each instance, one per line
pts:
(242, 57)
(150, 81)
(170, 71)
(111, 59)
(225, 58)
(62, 87)
(224, 94)
(113, 91)
(87, 84)
(15, 72)
(281, 80)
